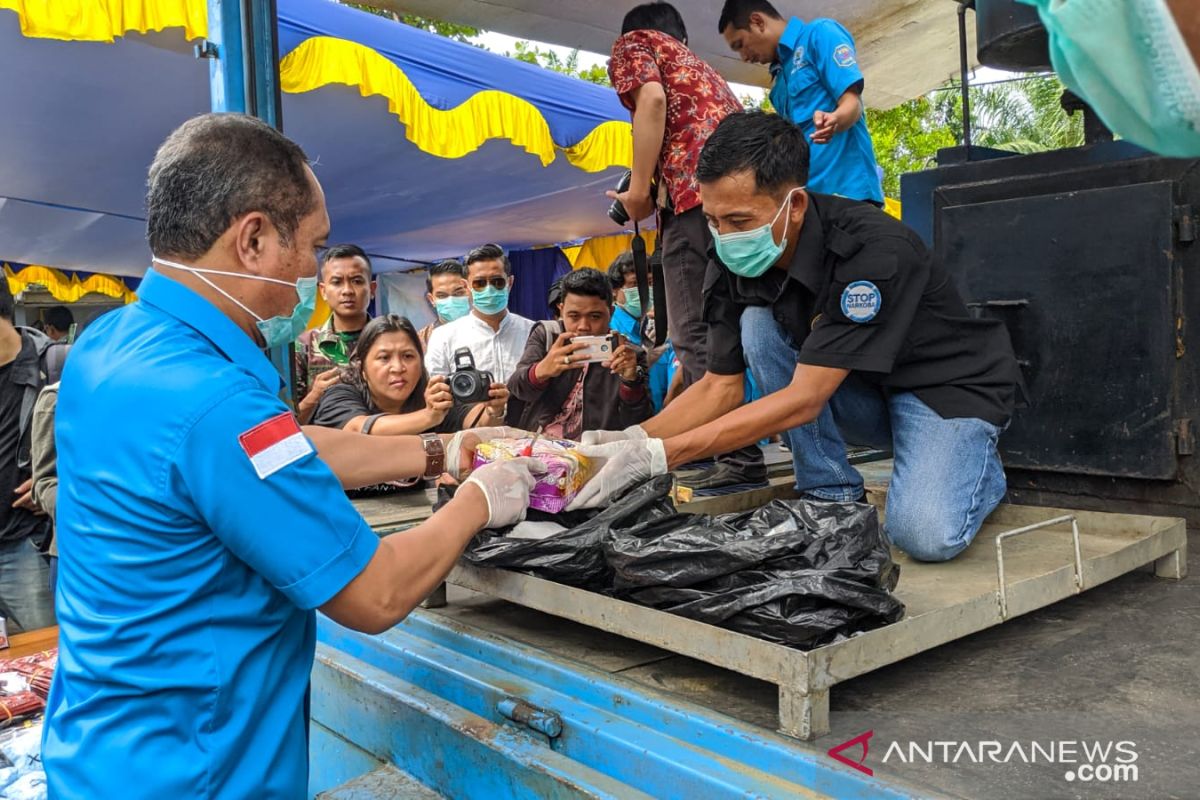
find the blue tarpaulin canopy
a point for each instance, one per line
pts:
(425, 147)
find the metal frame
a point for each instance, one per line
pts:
(946, 601)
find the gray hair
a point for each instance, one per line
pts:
(215, 168)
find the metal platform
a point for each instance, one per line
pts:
(1025, 558)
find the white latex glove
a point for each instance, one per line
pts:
(454, 451)
(632, 433)
(506, 486)
(620, 465)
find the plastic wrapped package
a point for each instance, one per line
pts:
(566, 469)
(30, 786)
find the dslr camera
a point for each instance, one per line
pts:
(467, 384)
(617, 212)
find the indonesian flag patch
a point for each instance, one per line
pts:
(274, 444)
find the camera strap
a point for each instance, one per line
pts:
(641, 269)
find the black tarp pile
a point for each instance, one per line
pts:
(795, 572)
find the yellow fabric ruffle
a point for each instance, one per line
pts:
(600, 251)
(64, 288)
(106, 20)
(488, 114)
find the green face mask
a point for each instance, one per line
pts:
(633, 301)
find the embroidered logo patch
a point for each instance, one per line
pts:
(843, 55)
(798, 58)
(274, 444)
(861, 301)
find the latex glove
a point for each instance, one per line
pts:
(620, 466)
(461, 449)
(506, 486)
(632, 433)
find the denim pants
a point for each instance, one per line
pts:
(947, 476)
(24, 586)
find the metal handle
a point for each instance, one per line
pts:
(1002, 593)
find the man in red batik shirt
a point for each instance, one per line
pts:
(676, 100)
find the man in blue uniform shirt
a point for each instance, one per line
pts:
(198, 528)
(817, 85)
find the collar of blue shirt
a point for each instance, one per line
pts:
(173, 298)
(789, 39)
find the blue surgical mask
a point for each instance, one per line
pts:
(1129, 61)
(633, 301)
(751, 253)
(452, 308)
(276, 331)
(491, 300)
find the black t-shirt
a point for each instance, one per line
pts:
(15, 523)
(863, 293)
(343, 402)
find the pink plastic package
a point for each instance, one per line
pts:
(567, 470)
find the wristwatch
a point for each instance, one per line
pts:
(638, 378)
(435, 456)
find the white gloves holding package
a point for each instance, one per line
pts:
(506, 486)
(632, 433)
(621, 464)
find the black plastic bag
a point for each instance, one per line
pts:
(574, 557)
(795, 572)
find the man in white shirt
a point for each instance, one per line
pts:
(495, 336)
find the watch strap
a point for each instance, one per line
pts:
(435, 455)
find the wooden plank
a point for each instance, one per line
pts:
(30, 642)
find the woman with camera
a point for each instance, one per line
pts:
(385, 390)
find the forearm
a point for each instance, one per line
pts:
(408, 565)
(849, 110)
(780, 411)
(360, 460)
(521, 385)
(396, 424)
(649, 127)
(45, 494)
(305, 410)
(702, 402)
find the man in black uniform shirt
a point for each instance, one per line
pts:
(856, 333)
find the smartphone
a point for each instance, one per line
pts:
(599, 348)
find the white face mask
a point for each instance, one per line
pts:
(276, 331)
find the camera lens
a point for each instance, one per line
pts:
(462, 385)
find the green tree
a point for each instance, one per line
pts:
(549, 59)
(907, 139)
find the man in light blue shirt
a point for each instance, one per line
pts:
(817, 85)
(198, 528)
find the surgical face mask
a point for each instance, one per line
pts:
(276, 331)
(490, 300)
(633, 301)
(452, 308)
(1129, 61)
(751, 253)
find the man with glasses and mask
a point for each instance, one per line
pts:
(495, 336)
(448, 296)
(857, 335)
(197, 539)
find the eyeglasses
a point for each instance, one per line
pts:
(496, 282)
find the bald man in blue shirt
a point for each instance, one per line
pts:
(817, 85)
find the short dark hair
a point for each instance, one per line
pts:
(774, 148)
(554, 296)
(487, 252)
(59, 316)
(447, 267)
(215, 168)
(355, 373)
(589, 283)
(344, 251)
(657, 16)
(8, 306)
(621, 266)
(737, 13)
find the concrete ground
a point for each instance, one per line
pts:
(1119, 663)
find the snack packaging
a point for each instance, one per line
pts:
(566, 469)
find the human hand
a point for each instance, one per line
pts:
(24, 494)
(506, 486)
(621, 465)
(460, 450)
(637, 206)
(558, 358)
(623, 361)
(438, 400)
(498, 402)
(632, 433)
(320, 384)
(827, 125)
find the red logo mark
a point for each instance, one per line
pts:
(863, 738)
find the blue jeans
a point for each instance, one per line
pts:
(24, 586)
(947, 476)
